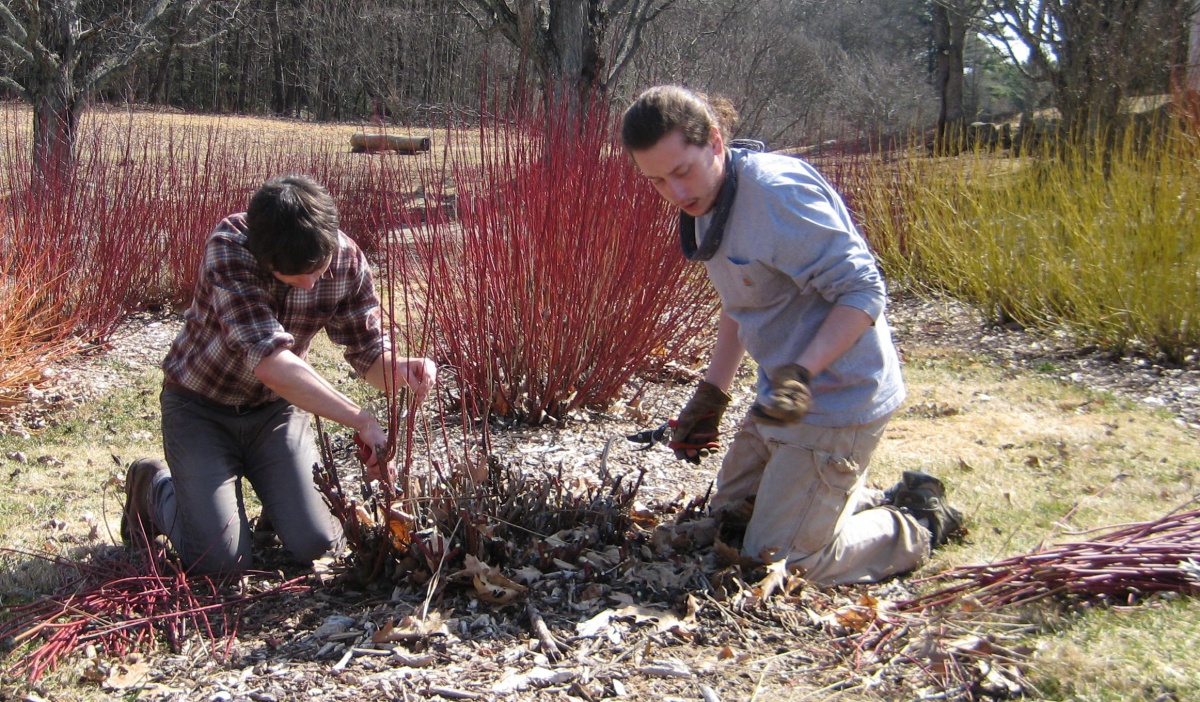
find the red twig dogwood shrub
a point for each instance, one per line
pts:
(85, 235)
(125, 227)
(34, 331)
(562, 278)
(125, 603)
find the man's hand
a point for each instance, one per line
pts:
(790, 396)
(697, 430)
(371, 441)
(419, 374)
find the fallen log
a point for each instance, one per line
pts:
(362, 143)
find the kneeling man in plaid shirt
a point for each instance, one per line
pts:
(238, 395)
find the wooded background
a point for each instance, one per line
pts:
(799, 71)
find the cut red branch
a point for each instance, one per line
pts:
(1127, 562)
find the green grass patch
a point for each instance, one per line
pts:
(61, 489)
(1120, 654)
(1031, 460)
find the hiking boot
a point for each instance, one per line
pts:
(924, 497)
(264, 532)
(137, 524)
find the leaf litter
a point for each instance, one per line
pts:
(659, 607)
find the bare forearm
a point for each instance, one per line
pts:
(379, 375)
(298, 383)
(840, 330)
(727, 354)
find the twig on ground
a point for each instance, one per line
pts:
(551, 646)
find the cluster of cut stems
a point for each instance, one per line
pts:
(1126, 563)
(126, 603)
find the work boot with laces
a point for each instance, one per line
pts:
(924, 497)
(137, 524)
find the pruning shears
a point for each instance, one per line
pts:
(364, 453)
(650, 437)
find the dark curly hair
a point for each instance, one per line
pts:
(291, 225)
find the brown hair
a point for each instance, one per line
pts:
(666, 108)
(291, 225)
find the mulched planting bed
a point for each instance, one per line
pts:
(643, 601)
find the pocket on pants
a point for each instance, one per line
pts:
(837, 473)
(801, 500)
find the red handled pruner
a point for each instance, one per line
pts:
(364, 453)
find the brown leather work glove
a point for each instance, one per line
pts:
(696, 432)
(789, 398)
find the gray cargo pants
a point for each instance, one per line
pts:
(209, 448)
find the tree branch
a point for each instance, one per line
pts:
(146, 39)
(642, 13)
(21, 51)
(11, 84)
(15, 29)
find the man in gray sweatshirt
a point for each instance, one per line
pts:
(801, 293)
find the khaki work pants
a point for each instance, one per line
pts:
(806, 485)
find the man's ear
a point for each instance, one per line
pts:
(716, 140)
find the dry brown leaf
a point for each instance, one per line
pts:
(591, 592)
(661, 574)
(596, 625)
(855, 617)
(605, 559)
(398, 529)
(663, 620)
(123, 676)
(412, 629)
(490, 584)
(776, 580)
(527, 575)
(622, 597)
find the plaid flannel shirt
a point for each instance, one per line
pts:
(241, 314)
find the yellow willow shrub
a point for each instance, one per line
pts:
(1105, 246)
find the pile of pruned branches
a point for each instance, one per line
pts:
(415, 529)
(121, 603)
(1125, 563)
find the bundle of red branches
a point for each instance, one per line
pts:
(120, 604)
(1125, 563)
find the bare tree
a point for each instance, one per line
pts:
(1093, 53)
(952, 19)
(64, 51)
(798, 71)
(568, 41)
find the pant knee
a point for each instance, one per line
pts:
(216, 561)
(313, 543)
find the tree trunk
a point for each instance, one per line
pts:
(1193, 72)
(56, 111)
(949, 36)
(1093, 72)
(573, 63)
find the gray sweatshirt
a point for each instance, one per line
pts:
(790, 253)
